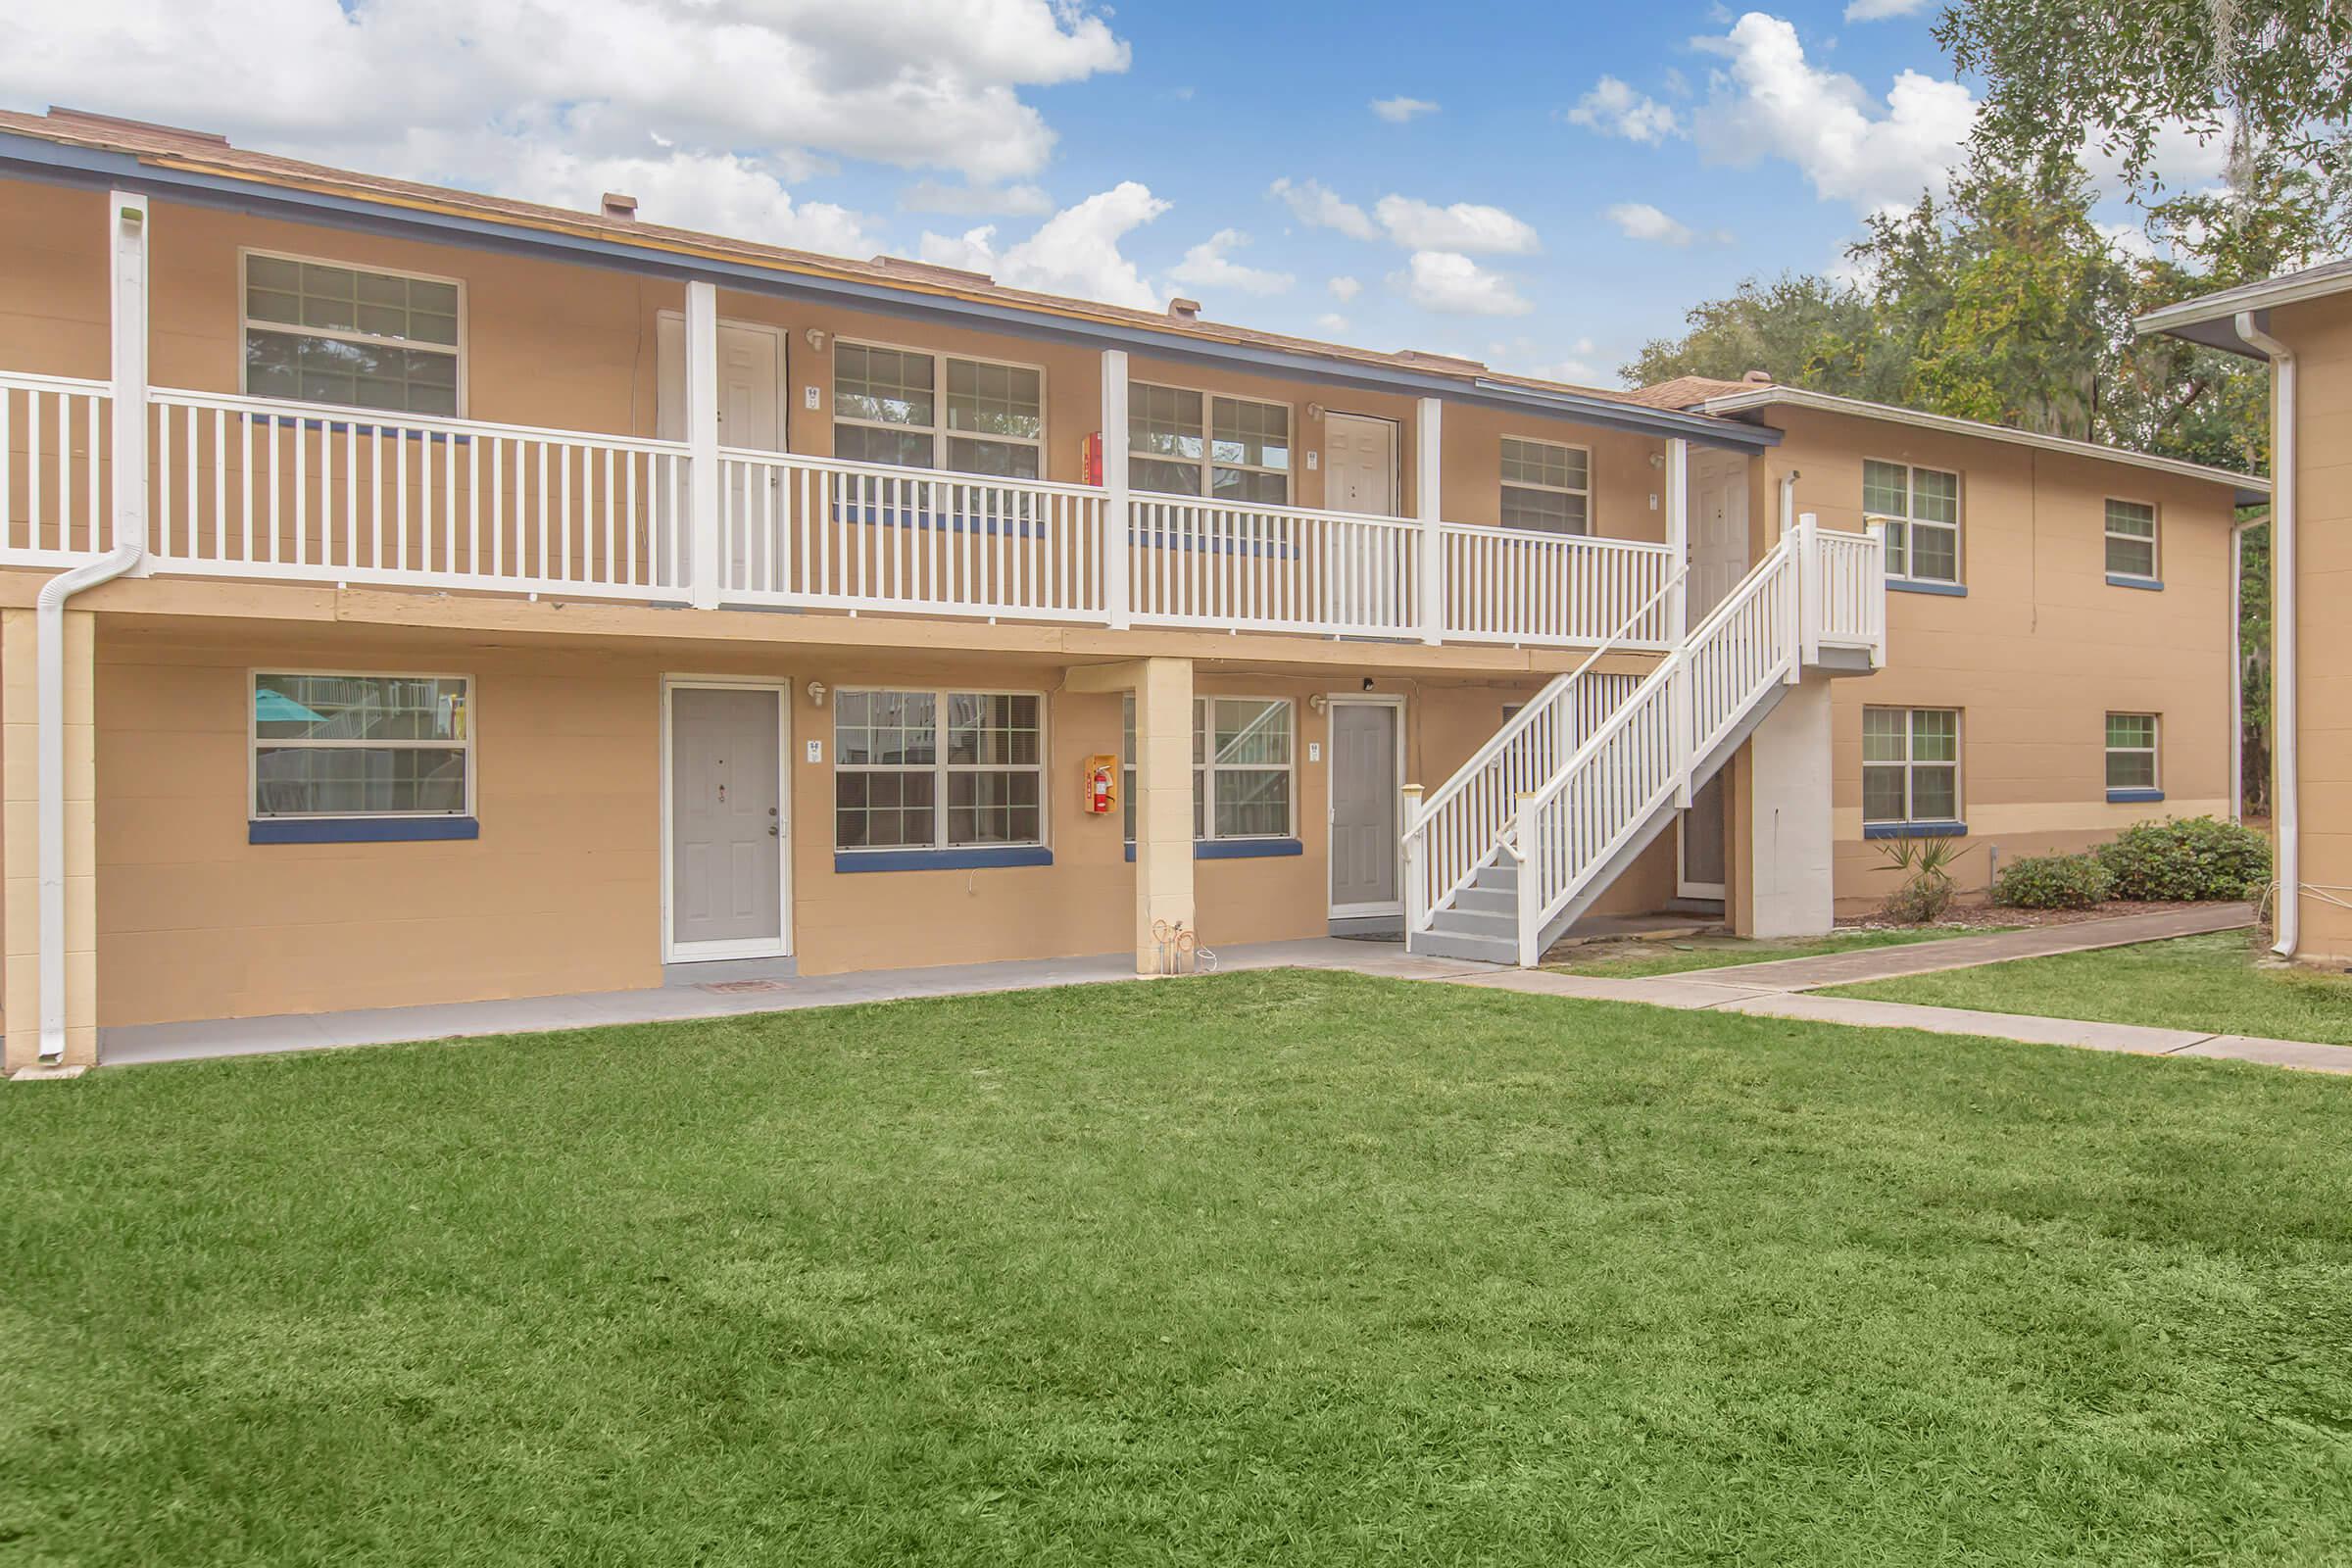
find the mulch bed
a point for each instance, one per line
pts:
(1976, 916)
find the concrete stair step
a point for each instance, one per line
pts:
(1488, 901)
(1453, 945)
(1478, 923)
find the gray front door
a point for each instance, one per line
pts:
(725, 821)
(1364, 807)
(1701, 874)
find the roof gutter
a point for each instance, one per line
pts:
(2284, 697)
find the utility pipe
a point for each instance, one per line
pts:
(2283, 619)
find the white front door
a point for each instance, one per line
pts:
(726, 834)
(1366, 737)
(751, 411)
(1359, 465)
(1718, 528)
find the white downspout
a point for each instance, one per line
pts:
(2283, 619)
(127, 248)
(2237, 671)
(1788, 501)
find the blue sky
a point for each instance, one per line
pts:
(1548, 187)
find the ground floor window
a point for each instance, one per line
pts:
(328, 745)
(1243, 783)
(2132, 750)
(1910, 764)
(937, 769)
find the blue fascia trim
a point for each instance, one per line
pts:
(2117, 581)
(360, 829)
(89, 165)
(1915, 830)
(2133, 797)
(1949, 590)
(966, 860)
(1237, 849)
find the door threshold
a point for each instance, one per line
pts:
(721, 972)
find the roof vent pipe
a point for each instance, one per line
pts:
(1184, 310)
(620, 208)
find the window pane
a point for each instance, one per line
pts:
(2132, 517)
(1898, 560)
(1548, 510)
(1250, 731)
(992, 729)
(1934, 496)
(992, 807)
(2132, 729)
(1542, 463)
(1886, 734)
(1934, 794)
(882, 387)
(861, 443)
(883, 809)
(1883, 793)
(1248, 488)
(995, 460)
(1254, 435)
(340, 299)
(995, 400)
(1935, 735)
(370, 375)
(2131, 771)
(2131, 558)
(357, 708)
(1885, 489)
(1253, 803)
(1935, 553)
(885, 729)
(1165, 478)
(352, 780)
(1164, 422)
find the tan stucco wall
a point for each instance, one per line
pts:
(2040, 650)
(2320, 332)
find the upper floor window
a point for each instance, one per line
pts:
(933, 769)
(1547, 485)
(2132, 751)
(320, 334)
(935, 410)
(1910, 764)
(1188, 443)
(1922, 509)
(332, 745)
(2130, 539)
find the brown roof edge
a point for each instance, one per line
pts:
(96, 120)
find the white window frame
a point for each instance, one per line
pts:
(1911, 763)
(938, 428)
(255, 741)
(1207, 466)
(943, 769)
(1957, 526)
(247, 322)
(1204, 789)
(2153, 750)
(1586, 494)
(2154, 539)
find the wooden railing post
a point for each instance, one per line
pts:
(1809, 599)
(1117, 553)
(1416, 859)
(1429, 502)
(702, 441)
(128, 227)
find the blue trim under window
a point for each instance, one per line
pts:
(976, 857)
(2116, 580)
(1915, 830)
(2133, 797)
(329, 425)
(1237, 849)
(1906, 585)
(360, 829)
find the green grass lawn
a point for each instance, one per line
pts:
(2206, 982)
(1260, 1268)
(1630, 959)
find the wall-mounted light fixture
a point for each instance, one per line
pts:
(816, 339)
(817, 694)
(1319, 703)
(1314, 410)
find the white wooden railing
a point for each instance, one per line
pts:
(1276, 568)
(54, 494)
(1849, 568)
(1643, 754)
(1513, 585)
(818, 532)
(254, 488)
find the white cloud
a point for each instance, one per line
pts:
(1769, 101)
(1343, 288)
(1616, 110)
(1881, 10)
(1208, 265)
(975, 201)
(1332, 321)
(1318, 208)
(973, 250)
(1641, 220)
(532, 96)
(1465, 227)
(715, 192)
(1400, 111)
(1453, 283)
(1076, 251)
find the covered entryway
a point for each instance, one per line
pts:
(1359, 465)
(750, 414)
(1719, 559)
(1367, 768)
(726, 839)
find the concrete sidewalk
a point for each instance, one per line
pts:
(1990, 947)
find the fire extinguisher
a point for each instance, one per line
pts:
(1101, 785)
(1090, 457)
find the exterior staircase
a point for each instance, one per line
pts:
(1529, 834)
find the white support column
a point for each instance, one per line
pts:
(1680, 711)
(1163, 804)
(1808, 589)
(1792, 868)
(1429, 445)
(1116, 552)
(701, 442)
(126, 231)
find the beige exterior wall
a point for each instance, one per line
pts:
(2040, 650)
(2319, 331)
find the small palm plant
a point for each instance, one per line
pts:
(1926, 887)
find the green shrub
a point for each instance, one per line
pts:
(2187, 858)
(2054, 882)
(1926, 888)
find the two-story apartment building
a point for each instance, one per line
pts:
(2301, 323)
(426, 597)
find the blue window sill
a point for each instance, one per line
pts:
(942, 860)
(1949, 590)
(2117, 581)
(2135, 796)
(1239, 849)
(360, 829)
(1914, 830)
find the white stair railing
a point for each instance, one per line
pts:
(1456, 829)
(1643, 755)
(55, 487)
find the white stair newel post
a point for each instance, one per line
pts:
(702, 441)
(1808, 591)
(1678, 538)
(1416, 834)
(1530, 891)
(1118, 553)
(1875, 588)
(1429, 502)
(130, 318)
